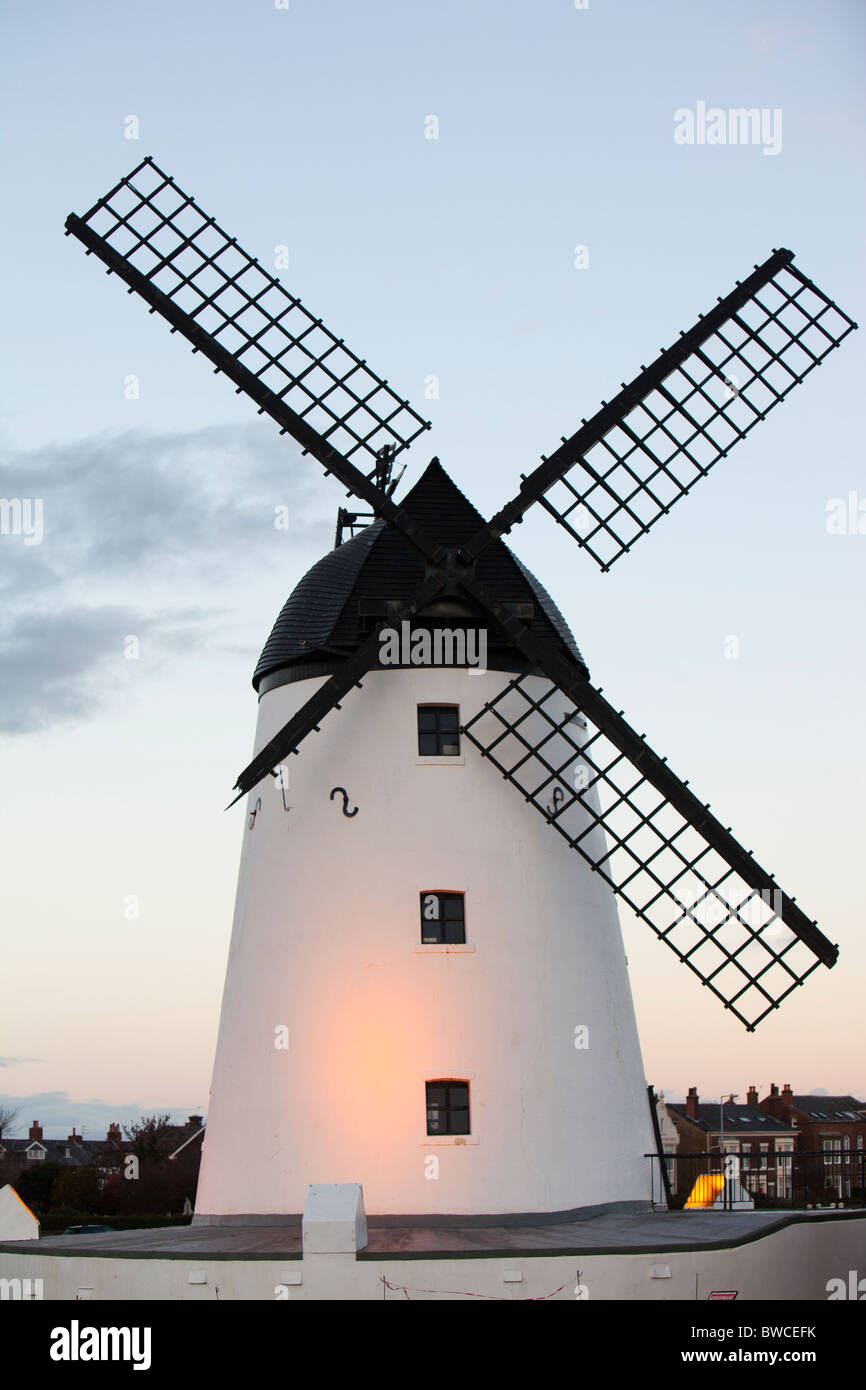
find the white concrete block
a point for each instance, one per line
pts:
(334, 1219)
(17, 1221)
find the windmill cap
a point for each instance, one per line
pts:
(337, 603)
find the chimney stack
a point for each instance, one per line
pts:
(787, 1094)
(774, 1090)
(752, 1096)
(35, 1131)
(75, 1138)
(692, 1103)
(113, 1135)
(195, 1120)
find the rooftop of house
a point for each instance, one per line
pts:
(76, 1151)
(831, 1107)
(738, 1119)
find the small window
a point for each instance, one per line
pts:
(447, 1107)
(438, 731)
(443, 918)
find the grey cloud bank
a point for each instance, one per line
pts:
(131, 524)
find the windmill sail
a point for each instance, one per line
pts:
(159, 239)
(622, 809)
(642, 452)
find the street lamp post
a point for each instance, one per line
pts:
(727, 1199)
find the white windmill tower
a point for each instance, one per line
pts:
(451, 977)
(427, 991)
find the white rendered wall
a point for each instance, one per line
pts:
(17, 1221)
(326, 943)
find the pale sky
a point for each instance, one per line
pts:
(451, 257)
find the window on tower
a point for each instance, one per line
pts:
(439, 731)
(443, 918)
(448, 1107)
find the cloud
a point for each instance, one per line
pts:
(131, 522)
(17, 1061)
(150, 505)
(59, 667)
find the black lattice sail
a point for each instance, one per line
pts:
(693, 405)
(164, 235)
(730, 933)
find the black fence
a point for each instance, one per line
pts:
(833, 1178)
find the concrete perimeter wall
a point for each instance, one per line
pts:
(794, 1263)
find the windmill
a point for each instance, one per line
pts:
(624, 818)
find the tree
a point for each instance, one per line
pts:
(8, 1117)
(153, 1138)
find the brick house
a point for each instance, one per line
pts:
(834, 1126)
(167, 1177)
(760, 1141)
(106, 1155)
(73, 1152)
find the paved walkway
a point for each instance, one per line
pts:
(610, 1233)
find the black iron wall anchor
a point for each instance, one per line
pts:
(254, 812)
(558, 798)
(345, 795)
(283, 784)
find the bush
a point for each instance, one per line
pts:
(34, 1185)
(77, 1189)
(159, 1188)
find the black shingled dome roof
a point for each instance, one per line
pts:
(321, 621)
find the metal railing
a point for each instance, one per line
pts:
(786, 1181)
